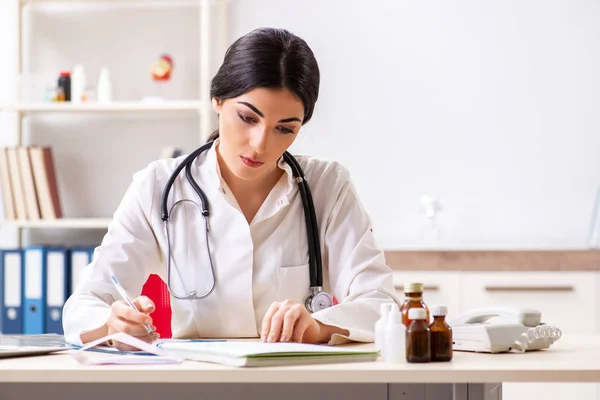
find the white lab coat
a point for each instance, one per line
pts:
(255, 264)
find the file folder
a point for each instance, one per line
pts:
(56, 288)
(34, 300)
(11, 291)
(79, 259)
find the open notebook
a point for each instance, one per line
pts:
(235, 354)
(258, 354)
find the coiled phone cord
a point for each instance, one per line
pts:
(539, 332)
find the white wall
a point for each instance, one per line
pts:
(491, 106)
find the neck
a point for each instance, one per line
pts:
(254, 187)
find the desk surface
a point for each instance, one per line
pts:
(571, 359)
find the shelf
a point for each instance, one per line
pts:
(167, 106)
(166, 2)
(61, 223)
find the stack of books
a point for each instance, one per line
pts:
(28, 184)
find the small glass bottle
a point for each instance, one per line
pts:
(64, 82)
(418, 341)
(441, 335)
(413, 295)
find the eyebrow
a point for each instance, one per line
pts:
(256, 110)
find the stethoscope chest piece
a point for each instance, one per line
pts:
(318, 301)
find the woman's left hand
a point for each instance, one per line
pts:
(288, 321)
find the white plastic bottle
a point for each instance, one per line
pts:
(380, 325)
(395, 338)
(104, 90)
(78, 84)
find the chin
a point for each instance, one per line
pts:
(248, 174)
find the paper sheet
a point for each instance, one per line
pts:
(84, 357)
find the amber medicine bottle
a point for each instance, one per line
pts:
(413, 298)
(418, 342)
(441, 335)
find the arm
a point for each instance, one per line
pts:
(356, 270)
(129, 251)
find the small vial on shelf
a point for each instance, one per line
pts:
(413, 298)
(441, 335)
(418, 341)
(64, 83)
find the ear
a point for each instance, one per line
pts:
(217, 105)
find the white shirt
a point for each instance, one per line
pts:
(255, 264)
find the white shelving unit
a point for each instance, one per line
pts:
(212, 41)
(62, 223)
(167, 106)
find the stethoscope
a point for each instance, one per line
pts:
(318, 299)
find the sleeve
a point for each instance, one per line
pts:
(129, 250)
(356, 269)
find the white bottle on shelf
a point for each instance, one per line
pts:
(380, 326)
(104, 90)
(395, 338)
(78, 84)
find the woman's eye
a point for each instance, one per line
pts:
(248, 120)
(285, 130)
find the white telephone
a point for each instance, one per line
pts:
(510, 329)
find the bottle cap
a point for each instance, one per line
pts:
(438, 311)
(104, 74)
(413, 288)
(417, 313)
(65, 73)
(384, 309)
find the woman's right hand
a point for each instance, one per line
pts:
(125, 319)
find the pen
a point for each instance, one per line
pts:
(123, 294)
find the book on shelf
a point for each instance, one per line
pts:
(28, 184)
(8, 204)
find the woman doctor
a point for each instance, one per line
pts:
(265, 90)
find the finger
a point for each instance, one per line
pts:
(290, 319)
(132, 329)
(125, 312)
(144, 304)
(300, 328)
(276, 325)
(266, 324)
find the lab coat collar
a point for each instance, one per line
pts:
(219, 183)
(213, 166)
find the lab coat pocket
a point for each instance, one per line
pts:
(293, 283)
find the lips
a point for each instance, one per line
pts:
(250, 162)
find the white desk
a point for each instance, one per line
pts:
(571, 359)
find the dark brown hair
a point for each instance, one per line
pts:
(268, 58)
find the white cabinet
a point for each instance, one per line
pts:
(565, 299)
(569, 300)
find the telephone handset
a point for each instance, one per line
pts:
(502, 329)
(524, 316)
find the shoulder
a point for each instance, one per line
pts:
(158, 171)
(324, 172)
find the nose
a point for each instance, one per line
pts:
(259, 139)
